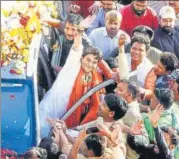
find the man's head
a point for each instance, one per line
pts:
(112, 63)
(51, 147)
(143, 30)
(127, 90)
(139, 7)
(174, 5)
(113, 22)
(93, 146)
(72, 26)
(139, 47)
(90, 58)
(112, 107)
(108, 5)
(35, 153)
(168, 62)
(167, 19)
(163, 96)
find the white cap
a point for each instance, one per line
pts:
(167, 12)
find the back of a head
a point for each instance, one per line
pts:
(145, 30)
(133, 89)
(165, 97)
(95, 142)
(36, 151)
(74, 19)
(51, 147)
(117, 104)
(112, 62)
(169, 60)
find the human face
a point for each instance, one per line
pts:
(112, 27)
(138, 51)
(160, 69)
(70, 31)
(89, 63)
(175, 5)
(139, 7)
(167, 23)
(103, 108)
(108, 5)
(153, 102)
(122, 90)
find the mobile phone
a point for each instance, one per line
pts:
(92, 130)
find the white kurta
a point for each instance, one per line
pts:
(55, 101)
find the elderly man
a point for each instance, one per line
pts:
(106, 38)
(167, 34)
(106, 6)
(138, 13)
(175, 5)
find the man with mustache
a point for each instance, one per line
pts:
(106, 38)
(167, 34)
(138, 13)
(106, 6)
(65, 41)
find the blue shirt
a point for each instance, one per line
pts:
(165, 42)
(106, 44)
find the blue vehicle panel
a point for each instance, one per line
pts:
(18, 126)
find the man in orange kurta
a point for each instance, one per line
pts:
(87, 78)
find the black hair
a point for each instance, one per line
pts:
(117, 104)
(39, 152)
(169, 60)
(92, 50)
(51, 147)
(136, 143)
(142, 40)
(132, 87)
(145, 30)
(164, 96)
(94, 142)
(74, 19)
(112, 62)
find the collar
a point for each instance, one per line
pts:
(105, 34)
(143, 15)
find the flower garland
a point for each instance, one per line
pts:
(21, 22)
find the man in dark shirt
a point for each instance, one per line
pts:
(64, 42)
(166, 37)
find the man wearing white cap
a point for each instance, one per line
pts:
(166, 36)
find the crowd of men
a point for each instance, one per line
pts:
(135, 117)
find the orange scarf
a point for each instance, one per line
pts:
(80, 87)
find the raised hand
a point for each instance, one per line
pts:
(122, 40)
(73, 8)
(94, 7)
(155, 115)
(77, 41)
(136, 128)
